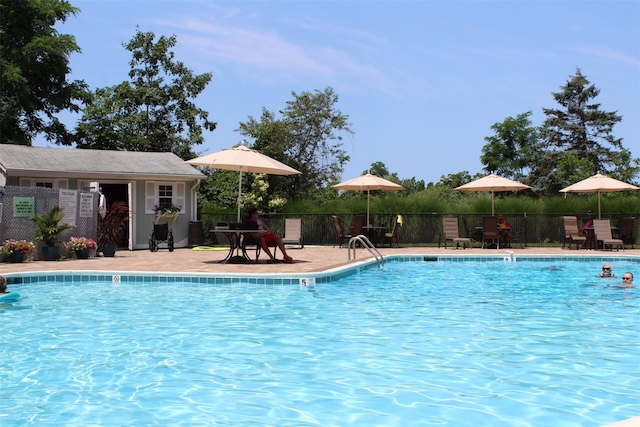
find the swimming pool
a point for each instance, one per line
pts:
(469, 343)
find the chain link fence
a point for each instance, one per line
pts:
(421, 229)
(23, 228)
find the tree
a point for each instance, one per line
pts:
(508, 152)
(34, 63)
(153, 111)
(307, 138)
(579, 135)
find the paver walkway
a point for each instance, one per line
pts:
(309, 259)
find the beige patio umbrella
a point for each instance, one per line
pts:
(598, 183)
(493, 183)
(243, 159)
(368, 182)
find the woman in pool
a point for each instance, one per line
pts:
(607, 271)
(3, 285)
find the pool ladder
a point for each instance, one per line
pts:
(366, 243)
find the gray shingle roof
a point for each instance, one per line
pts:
(20, 159)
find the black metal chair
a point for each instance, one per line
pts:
(626, 231)
(341, 236)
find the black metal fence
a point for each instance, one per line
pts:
(421, 229)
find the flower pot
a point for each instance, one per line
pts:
(82, 253)
(109, 250)
(16, 257)
(50, 253)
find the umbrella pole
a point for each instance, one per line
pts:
(368, 197)
(493, 211)
(239, 194)
(599, 210)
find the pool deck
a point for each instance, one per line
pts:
(310, 259)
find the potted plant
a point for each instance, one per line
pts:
(15, 250)
(81, 246)
(112, 227)
(171, 210)
(48, 231)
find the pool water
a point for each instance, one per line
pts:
(420, 343)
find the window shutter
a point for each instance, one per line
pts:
(180, 196)
(150, 197)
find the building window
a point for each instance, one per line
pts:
(44, 184)
(165, 196)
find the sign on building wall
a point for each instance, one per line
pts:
(86, 205)
(68, 201)
(23, 207)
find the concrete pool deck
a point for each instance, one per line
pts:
(310, 259)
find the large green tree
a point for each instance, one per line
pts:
(509, 151)
(576, 140)
(306, 137)
(34, 64)
(153, 111)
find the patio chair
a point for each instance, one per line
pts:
(450, 232)
(341, 236)
(572, 233)
(626, 231)
(393, 235)
(490, 231)
(293, 232)
(250, 241)
(358, 223)
(602, 231)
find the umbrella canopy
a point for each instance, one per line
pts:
(493, 183)
(243, 159)
(598, 183)
(368, 182)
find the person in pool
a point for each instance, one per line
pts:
(627, 280)
(606, 271)
(268, 239)
(3, 285)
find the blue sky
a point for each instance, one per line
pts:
(421, 81)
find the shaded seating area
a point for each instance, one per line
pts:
(392, 237)
(602, 231)
(572, 232)
(451, 232)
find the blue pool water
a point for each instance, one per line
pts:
(420, 343)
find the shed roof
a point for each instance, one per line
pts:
(21, 160)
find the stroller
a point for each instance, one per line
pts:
(160, 233)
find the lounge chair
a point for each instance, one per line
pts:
(602, 230)
(293, 232)
(467, 230)
(341, 236)
(572, 233)
(626, 231)
(393, 235)
(450, 232)
(490, 231)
